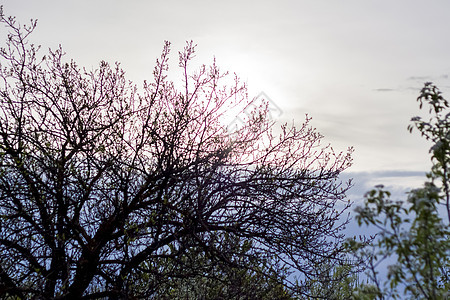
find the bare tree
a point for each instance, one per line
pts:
(102, 185)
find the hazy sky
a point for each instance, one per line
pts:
(356, 67)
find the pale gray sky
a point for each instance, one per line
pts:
(355, 66)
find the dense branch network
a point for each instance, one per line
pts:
(101, 186)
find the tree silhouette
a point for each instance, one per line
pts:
(103, 184)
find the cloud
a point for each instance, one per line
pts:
(430, 78)
(384, 90)
(420, 78)
(398, 182)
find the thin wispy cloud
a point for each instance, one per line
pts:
(385, 90)
(420, 78)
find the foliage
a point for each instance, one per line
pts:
(341, 283)
(102, 186)
(221, 281)
(437, 130)
(414, 234)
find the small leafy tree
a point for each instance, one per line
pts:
(413, 234)
(437, 131)
(103, 187)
